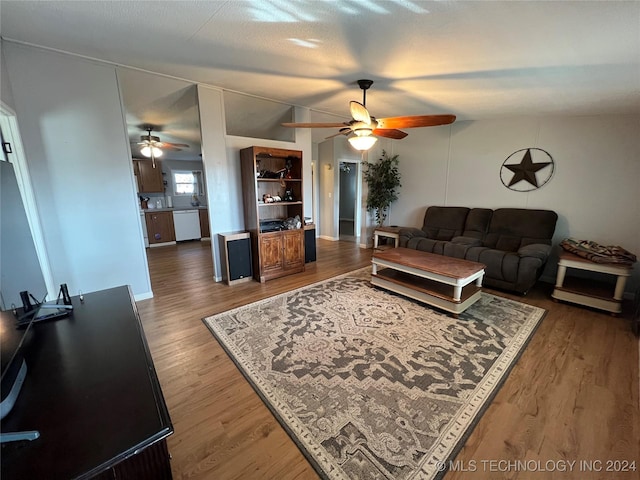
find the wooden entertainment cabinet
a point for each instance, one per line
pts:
(267, 175)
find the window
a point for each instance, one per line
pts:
(187, 182)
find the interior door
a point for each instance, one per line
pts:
(348, 209)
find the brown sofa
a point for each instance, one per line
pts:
(513, 243)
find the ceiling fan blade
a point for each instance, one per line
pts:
(169, 145)
(343, 131)
(414, 121)
(334, 135)
(390, 133)
(359, 112)
(314, 125)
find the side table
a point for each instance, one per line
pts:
(590, 293)
(387, 232)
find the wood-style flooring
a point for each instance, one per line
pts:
(572, 396)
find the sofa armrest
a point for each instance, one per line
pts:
(537, 250)
(411, 232)
(468, 241)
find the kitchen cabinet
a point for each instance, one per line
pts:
(160, 227)
(272, 193)
(204, 223)
(148, 178)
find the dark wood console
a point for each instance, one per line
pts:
(92, 392)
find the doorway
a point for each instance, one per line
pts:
(349, 208)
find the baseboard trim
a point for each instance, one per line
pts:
(143, 296)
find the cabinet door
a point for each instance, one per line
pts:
(271, 258)
(293, 248)
(204, 223)
(149, 178)
(160, 227)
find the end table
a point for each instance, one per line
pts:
(387, 232)
(590, 293)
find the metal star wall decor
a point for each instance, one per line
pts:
(523, 175)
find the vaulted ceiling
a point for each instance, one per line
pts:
(475, 59)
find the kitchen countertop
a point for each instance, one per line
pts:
(173, 209)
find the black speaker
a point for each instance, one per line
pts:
(239, 252)
(309, 245)
(235, 255)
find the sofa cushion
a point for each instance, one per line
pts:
(444, 223)
(469, 241)
(427, 245)
(477, 222)
(512, 228)
(407, 233)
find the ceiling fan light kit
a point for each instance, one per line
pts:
(362, 143)
(366, 127)
(149, 151)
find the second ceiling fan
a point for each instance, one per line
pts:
(151, 146)
(366, 127)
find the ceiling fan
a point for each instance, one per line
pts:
(151, 146)
(365, 127)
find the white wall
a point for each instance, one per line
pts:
(5, 85)
(74, 136)
(330, 153)
(595, 187)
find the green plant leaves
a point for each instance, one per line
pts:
(383, 180)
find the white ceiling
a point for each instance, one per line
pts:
(475, 59)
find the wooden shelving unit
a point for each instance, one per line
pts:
(269, 173)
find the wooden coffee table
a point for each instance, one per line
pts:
(451, 284)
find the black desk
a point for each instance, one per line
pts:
(92, 392)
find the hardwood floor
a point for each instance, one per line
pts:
(572, 396)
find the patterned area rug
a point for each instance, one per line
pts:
(369, 384)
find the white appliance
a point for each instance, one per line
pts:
(186, 224)
(144, 229)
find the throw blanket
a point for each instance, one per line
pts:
(598, 253)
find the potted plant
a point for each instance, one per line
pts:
(383, 180)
